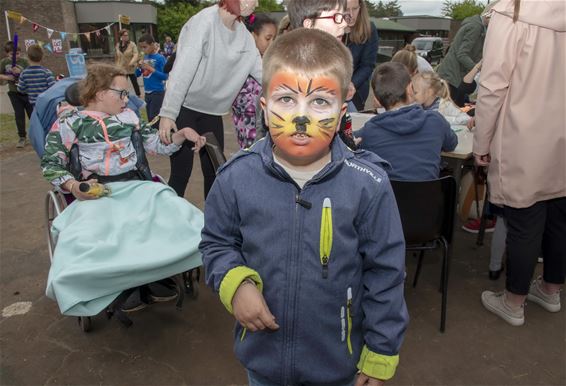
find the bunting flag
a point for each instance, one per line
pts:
(47, 46)
(34, 27)
(97, 32)
(63, 34)
(40, 43)
(107, 28)
(124, 19)
(14, 15)
(49, 32)
(87, 36)
(74, 37)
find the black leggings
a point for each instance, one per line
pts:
(182, 160)
(134, 80)
(530, 230)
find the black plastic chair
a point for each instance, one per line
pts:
(214, 151)
(427, 215)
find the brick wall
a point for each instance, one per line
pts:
(55, 14)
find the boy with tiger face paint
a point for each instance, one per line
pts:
(302, 236)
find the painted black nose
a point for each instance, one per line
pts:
(301, 124)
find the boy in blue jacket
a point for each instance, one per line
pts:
(151, 68)
(408, 137)
(310, 261)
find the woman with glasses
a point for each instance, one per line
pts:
(215, 55)
(362, 40)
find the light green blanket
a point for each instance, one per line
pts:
(142, 233)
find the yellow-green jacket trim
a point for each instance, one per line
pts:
(232, 281)
(377, 365)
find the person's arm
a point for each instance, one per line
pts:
(471, 34)
(382, 248)
(189, 54)
(500, 55)
(367, 64)
(135, 55)
(22, 83)
(56, 156)
(469, 77)
(256, 72)
(158, 71)
(49, 79)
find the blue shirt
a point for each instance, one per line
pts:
(34, 80)
(411, 140)
(153, 81)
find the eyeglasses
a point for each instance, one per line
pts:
(123, 93)
(337, 17)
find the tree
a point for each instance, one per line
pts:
(384, 9)
(462, 9)
(173, 14)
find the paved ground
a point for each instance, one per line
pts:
(193, 346)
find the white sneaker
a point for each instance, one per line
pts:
(550, 302)
(495, 302)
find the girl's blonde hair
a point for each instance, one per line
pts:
(361, 31)
(438, 85)
(99, 78)
(408, 57)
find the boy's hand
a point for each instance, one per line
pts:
(189, 134)
(16, 70)
(251, 310)
(73, 187)
(146, 67)
(351, 91)
(364, 380)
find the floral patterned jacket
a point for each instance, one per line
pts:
(105, 145)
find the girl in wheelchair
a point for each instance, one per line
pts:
(142, 232)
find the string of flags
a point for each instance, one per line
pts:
(14, 15)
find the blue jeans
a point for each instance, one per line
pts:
(153, 102)
(256, 380)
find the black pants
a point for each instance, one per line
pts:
(530, 230)
(21, 106)
(182, 160)
(134, 80)
(153, 102)
(458, 96)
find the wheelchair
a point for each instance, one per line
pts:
(186, 283)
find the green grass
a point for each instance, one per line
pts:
(8, 131)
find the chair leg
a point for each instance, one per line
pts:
(445, 268)
(419, 266)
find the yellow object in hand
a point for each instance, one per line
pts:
(94, 189)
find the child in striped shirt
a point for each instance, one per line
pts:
(35, 78)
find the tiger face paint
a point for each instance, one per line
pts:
(303, 114)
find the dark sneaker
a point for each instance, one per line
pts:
(134, 302)
(21, 143)
(162, 291)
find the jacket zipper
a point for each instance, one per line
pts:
(350, 314)
(325, 236)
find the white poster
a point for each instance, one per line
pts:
(57, 45)
(29, 42)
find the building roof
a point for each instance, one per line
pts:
(384, 24)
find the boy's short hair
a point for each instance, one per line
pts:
(35, 53)
(308, 51)
(146, 38)
(9, 47)
(389, 83)
(300, 10)
(99, 77)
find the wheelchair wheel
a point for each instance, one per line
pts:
(191, 279)
(54, 205)
(85, 323)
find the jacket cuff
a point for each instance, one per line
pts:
(232, 281)
(377, 365)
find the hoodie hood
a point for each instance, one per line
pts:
(549, 14)
(404, 121)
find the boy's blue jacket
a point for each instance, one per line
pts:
(332, 277)
(411, 140)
